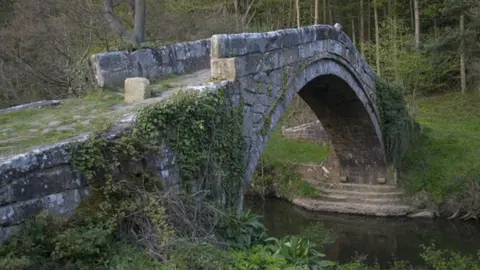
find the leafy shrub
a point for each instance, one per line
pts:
(243, 230)
(399, 129)
(298, 252)
(256, 258)
(447, 260)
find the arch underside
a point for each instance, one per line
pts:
(338, 98)
(349, 127)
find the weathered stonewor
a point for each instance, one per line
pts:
(43, 178)
(112, 68)
(312, 131)
(321, 64)
(260, 72)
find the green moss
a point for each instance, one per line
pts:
(201, 129)
(28, 125)
(446, 158)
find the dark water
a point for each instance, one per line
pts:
(380, 239)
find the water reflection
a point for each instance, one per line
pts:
(381, 239)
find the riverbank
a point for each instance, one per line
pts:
(439, 173)
(380, 240)
(442, 170)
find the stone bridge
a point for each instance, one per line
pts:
(321, 65)
(260, 71)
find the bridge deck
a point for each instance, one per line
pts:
(24, 129)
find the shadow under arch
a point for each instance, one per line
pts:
(337, 96)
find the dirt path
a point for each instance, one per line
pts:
(24, 129)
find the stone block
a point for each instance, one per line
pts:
(381, 180)
(342, 179)
(223, 69)
(137, 89)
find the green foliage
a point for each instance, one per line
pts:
(243, 230)
(447, 260)
(200, 129)
(298, 252)
(417, 71)
(399, 129)
(318, 234)
(48, 242)
(445, 162)
(280, 180)
(204, 256)
(129, 203)
(256, 258)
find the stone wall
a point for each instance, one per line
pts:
(321, 64)
(112, 68)
(43, 179)
(312, 131)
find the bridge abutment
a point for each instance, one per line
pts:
(321, 65)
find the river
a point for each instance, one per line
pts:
(380, 239)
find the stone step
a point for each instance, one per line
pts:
(354, 187)
(360, 194)
(384, 210)
(358, 199)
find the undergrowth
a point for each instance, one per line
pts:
(445, 162)
(399, 129)
(143, 195)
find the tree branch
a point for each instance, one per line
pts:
(114, 20)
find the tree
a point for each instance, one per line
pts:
(138, 11)
(416, 10)
(297, 8)
(362, 29)
(376, 5)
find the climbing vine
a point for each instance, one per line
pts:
(201, 129)
(399, 129)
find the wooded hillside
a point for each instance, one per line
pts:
(427, 46)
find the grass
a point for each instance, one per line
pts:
(284, 150)
(276, 172)
(280, 150)
(164, 83)
(23, 129)
(447, 155)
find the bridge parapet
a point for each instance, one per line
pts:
(239, 55)
(112, 68)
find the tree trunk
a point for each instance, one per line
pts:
(353, 31)
(412, 15)
(330, 13)
(395, 51)
(324, 11)
(417, 24)
(369, 21)
(316, 12)
(377, 39)
(362, 29)
(115, 21)
(297, 7)
(140, 17)
(463, 78)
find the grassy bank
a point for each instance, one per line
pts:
(445, 162)
(276, 173)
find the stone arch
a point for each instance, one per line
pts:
(325, 69)
(349, 117)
